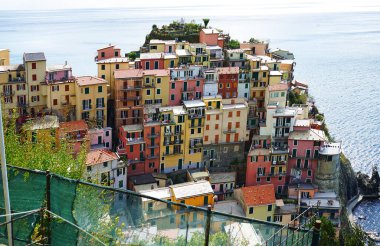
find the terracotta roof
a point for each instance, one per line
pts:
(99, 156)
(259, 195)
(90, 80)
(138, 73)
(73, 126)
(278, 87)
(227, 70)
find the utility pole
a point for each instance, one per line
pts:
(5, 181)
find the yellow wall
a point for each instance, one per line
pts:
(160, 48)
(193, 157)
(40, 71)
(197, 200)
(108, 72)
(93, 95)
(260, 212)
(167, 62)
(4, 57)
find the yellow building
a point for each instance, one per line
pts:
(198, 193)
(4, 57)
(172, 138)
(106, 70)
(170, 60)
(275, 77)
(13, 89)
(194, 132)
(213, 120)
(91, 100)
(276, 94)
(258, 202)
(35, 70)
(166, 46)
(155, 86)
(43, 130)
(199, 54)
(234, 122)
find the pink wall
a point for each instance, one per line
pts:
(96, 133)
(59, 75)
(109, 52)
(151, 63)
(192, 90)
(209, 39)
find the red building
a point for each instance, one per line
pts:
(304, 145)
(152, 61)
(261, 169)
(108, 52)
(228, 81)
(132, 147)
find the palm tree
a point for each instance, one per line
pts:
(206, 21)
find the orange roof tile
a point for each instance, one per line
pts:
(259, 195)
(99, 156)
(73, 126)
(227, 70)
(89, 80)
(278, 87)
(138, 73)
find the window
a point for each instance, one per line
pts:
(87, 90)
(216, 126)
(34, 65)
(282, 94)
(229, 114)
(120, 183)
(173, 85)
(309, 173)
(198, 83)
(107, 133)
(238, 113)
(103, 76)
(270, 207)
(199, 130)
(147, 65)
(158, 91)
(148, 92)
(34, 77)
(206, 138)
(172, 97)
(116, 53)
(172, 219)
(278, 218)
(268, 179)
(156, 65)
(131, 148)
(295, 142)
(192, 131)
(228, 85)
(67, 87)
(258, 180)
(102, 54)
(269, 218)
(55, 102)
(55, 88)
(220, 86)
(158, 80)
(264, 74)
(134, 167)
(100, 88)
(103, 67)
(308, 152)
(316, 153)
(237, 124)
(251, 210)
(298, 163)
(306, 164)
(105, 164)
(294, 153)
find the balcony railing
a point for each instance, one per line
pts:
(87, 107)
(281, 125)
(130, 98)
(196, 125)
(150, 157)
(229, 131)
(100, 105)
(8, 93)
(172, 153)
(18, 79)
(131, 88)
(279, 150)
(154, 135)
(195, 116)
(22, 104)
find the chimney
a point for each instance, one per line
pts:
(65, 63)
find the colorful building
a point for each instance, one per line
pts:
(228, 78)
(258, 202)
(152, 61)
(155, 87)
(4, 57)
(199, 56)
(223, 184)
(100, 138)
(76, 134)
(111, 51)
(91, 100)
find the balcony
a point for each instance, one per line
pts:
(17, 79)
(172, 153)
(154, 135)
(152, 146)
(168, 122)
(134, 98)
(100, 106)
(121, 150)
(135, 140)
(8, 93)
(175, 142)
(279, 162)
(196, 125)
(191, 90)
(178, 132)
(22, 104)
(131, 88)
(136, 160)
(153, 85)
(279, 150)
(87, 107)
(196, 116)
(150, 157)
(287, 125)
(229, 131)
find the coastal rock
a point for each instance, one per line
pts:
(369, 185)
(348, 184)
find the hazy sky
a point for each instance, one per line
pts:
(246, 5)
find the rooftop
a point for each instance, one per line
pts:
(133, 128)
(45, 122)
(229, 207)
(72, 126)
(158, 41)
(138, 73)
(260, 151)
(234, 106)
(182, 52)
(177, 110)
(55, 68)
(331, 149)
(99, 156)
(311, 135)
(90, 80)
(142, 179)
(278, 87)
(159, 193)
(212, 97)
(194, 103)
(114, 60)
(210, 31)
(302, 123)
(151, 55)
(227, 70)
(190, 189)
(17, 67)
(109, 46)
(38, 56)
(275, 73)
(216, 178)
(259, 195)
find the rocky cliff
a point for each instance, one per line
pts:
(369, 185)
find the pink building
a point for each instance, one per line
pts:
(151, 61)
(209, 36)
(100, 138)
(186, 84)
(304, 145)
(58, 73)
(223, 184)
(108, 52)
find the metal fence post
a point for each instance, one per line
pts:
(316, 232)
(208, 224)
(48, 206)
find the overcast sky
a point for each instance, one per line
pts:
(246, 5)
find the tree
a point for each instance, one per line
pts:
(206, 21)
(233, 44)
(132, 55)
(357, 237)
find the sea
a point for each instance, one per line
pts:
(337, 51)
